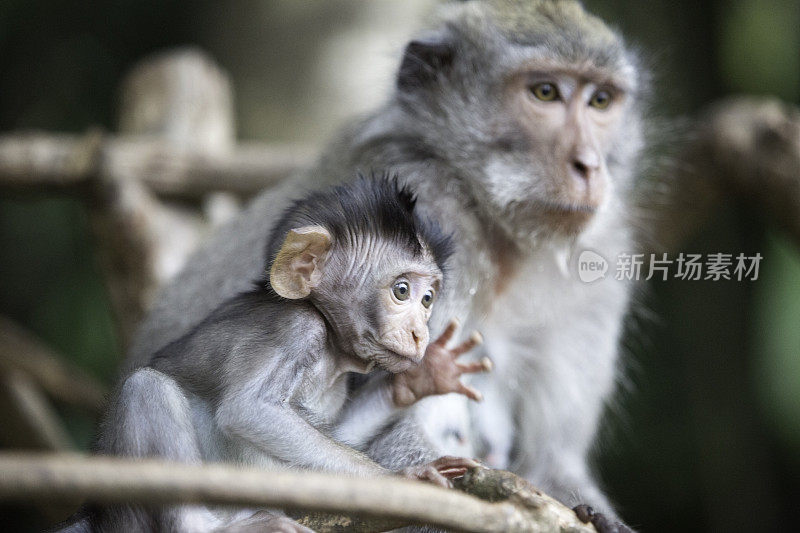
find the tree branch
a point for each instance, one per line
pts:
(113, 480)
(44, 162)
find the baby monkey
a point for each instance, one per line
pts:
(353, 273)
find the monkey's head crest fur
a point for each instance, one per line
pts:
(370, 206)
(563, 27)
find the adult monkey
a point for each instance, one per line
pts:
(519, 125)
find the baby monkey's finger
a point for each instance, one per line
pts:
(474, 340)
(470, 392)
(473, 367)
(433, 475)
(454, 472)
(448, 333)
(452, 461)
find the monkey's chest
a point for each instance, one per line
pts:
(320, 405)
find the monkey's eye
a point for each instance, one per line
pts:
(401, 290)
(427, 299)
(546, 92)
(601, 100)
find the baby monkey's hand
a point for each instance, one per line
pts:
(439, 372)
(440, 471)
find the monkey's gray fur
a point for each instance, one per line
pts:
(455, 133)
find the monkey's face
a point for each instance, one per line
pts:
(553, 161)
(555, 175)
(383, 306)
(534, 106)
(401, 327)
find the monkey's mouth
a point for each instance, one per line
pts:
(561, 217)
(397, 355)
(392, 361)
(384, 356)
(560, 208)
(388, 345)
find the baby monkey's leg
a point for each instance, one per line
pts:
(152, 418)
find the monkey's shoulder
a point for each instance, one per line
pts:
(243, 335)
(268, 315)
(268, 324)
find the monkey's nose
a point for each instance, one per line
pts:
(420, 343)
(585, 163)
(581, 169)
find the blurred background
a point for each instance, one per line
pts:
(706, 432)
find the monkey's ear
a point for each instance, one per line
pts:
(298, 266)
(423, 60)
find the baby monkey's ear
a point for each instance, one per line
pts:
(300, 261)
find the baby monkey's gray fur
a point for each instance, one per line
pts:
(353, 273)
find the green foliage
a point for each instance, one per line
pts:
(776, 373)
(51, 282)
(760, 47)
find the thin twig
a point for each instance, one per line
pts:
(22, 352)
(28, 419)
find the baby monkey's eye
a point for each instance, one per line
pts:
(401, 290)
(546, 92)
(427, 299)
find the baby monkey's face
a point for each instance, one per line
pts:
(404, 302)
(376, 294)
